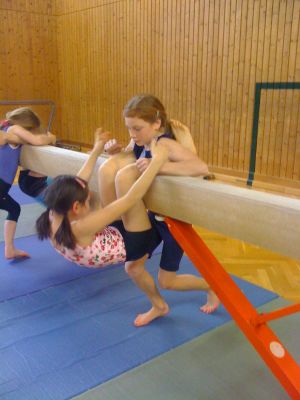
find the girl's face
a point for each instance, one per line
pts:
(142, 132)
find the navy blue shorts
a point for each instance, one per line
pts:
(137, 244)
(34, 186)
(31, 185)
(171, 252)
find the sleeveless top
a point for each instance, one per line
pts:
(141, 152)
(107, 248)
(9, 158)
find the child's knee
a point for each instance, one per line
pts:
(166, 279)
(14, 212)
(127, 176)
(134, 268)
(108, 168)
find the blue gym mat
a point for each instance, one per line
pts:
(22, 198)
(63, 340)
(44, 268)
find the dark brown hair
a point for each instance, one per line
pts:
(60, 196)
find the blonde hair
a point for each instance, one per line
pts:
(149, 108)
(24, 117)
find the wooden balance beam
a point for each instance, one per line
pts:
(263, 219)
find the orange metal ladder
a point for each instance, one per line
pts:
(253, 324)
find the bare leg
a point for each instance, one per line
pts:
(145, 282)
(107, 175)
(9, 234)
(170, 280)
(135, 220)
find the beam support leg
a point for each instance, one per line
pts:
(268, 346)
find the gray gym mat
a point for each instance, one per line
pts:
(218, 365)
(26, 223)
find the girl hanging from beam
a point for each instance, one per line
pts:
(99, 238)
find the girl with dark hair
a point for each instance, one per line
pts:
(97, 238)
(146, 118)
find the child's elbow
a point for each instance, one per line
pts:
(201, 169)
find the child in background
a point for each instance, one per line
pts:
(146, 118)
(97, 238)
(21, 126)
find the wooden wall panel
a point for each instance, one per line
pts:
(28, 62)
(61, 7)
(33, 6)
(202, 58)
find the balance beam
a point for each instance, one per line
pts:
(263, 219)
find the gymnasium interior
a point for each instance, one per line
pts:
(229, 70)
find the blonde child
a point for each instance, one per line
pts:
(21, 126)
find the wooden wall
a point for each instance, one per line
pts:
(202, 58)
(28, 61)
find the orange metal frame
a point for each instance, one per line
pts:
(253, 325)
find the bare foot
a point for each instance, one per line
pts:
(153, 313)
(15, 253)
(212, 303)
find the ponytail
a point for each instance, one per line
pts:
(64, 235)
(59, 197)
(182, 134)
(42, 225)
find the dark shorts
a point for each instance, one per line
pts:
(137, 244)
(171, 252)
(34, 186)
(31, 185)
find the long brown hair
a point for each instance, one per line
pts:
(60, 196)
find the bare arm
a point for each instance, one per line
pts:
(184, 168)
(97, 220)
(100, 139)
(18, 135)
(181, 162)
